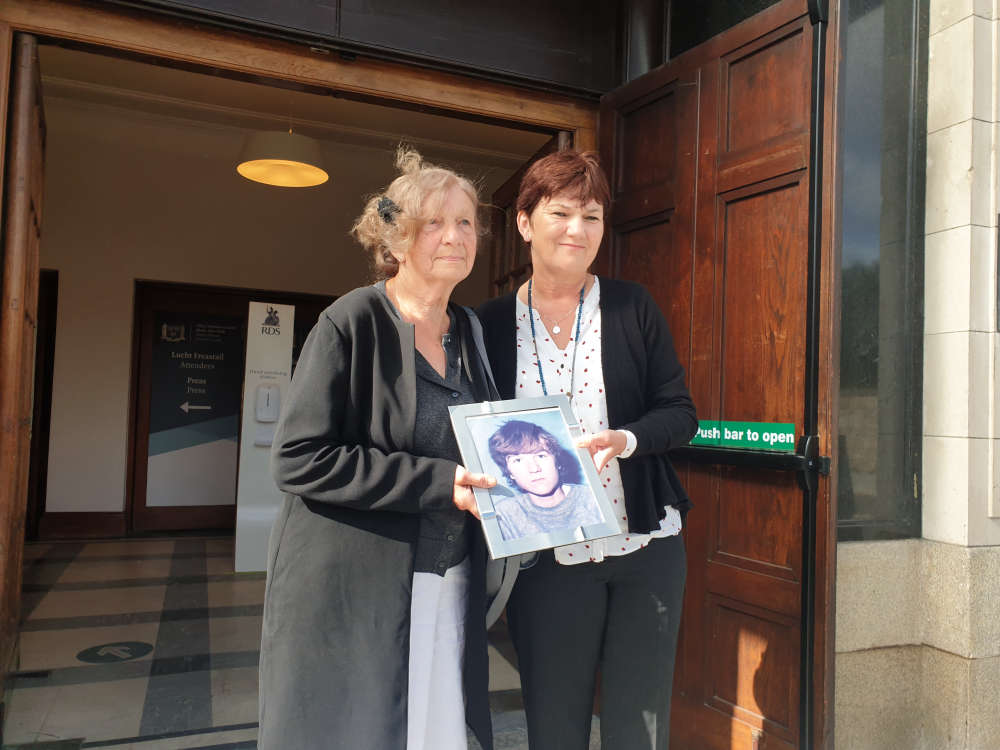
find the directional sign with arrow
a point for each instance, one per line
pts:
(195, 379)
(186, 407)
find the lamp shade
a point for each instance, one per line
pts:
(281, 158)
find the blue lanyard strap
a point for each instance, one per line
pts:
(576, 341)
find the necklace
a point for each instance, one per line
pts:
(556, 328)
(576, 341)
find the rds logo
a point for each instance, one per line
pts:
(272, 324)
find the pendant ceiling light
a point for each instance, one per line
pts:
(282, 159)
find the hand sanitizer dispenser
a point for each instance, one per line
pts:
(268, 402)
(267, 410)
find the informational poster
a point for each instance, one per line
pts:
(268, 371)
(194, 409)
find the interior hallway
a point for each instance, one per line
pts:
(153, 643)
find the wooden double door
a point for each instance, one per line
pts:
(715, 161)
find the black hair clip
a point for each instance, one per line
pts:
(388, 209)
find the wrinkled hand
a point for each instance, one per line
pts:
(603, 446)
(464, 482)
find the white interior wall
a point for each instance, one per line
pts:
(134, 196)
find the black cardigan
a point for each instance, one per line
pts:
(644, 386)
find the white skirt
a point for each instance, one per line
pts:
(436, 703)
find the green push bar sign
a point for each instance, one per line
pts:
(764, 436)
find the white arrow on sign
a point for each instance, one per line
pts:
(186, 407)
(122, 652)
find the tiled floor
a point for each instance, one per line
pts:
(197, 685)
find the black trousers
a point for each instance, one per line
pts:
(621, 615)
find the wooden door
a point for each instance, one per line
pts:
(713, 172)
(22, 216)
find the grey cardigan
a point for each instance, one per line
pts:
(335, 638)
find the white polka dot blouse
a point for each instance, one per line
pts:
(591, 410)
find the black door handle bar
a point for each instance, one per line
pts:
(806, 461)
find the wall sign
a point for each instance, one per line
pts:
(270, 329)
(194, 409)
(764, 436)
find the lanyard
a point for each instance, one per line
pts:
(576, 342)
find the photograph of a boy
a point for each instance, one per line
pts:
(546, 479)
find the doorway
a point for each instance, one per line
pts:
(189, 365)
(102, 241)
(143, 185)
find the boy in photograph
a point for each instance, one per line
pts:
(546, 477)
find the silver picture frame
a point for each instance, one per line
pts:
(546, 496)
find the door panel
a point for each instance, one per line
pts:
(644, 161)
(749, 540)
(763, 277)
(651, 219)
(22, 217)
(766, 75)
(640, 259)
(760, 693)
(709, 158)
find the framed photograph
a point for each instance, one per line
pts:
(548, 492)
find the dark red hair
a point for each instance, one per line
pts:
(575, 173)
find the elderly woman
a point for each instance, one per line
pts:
(611, 604)
(374, 630)
(547, 477)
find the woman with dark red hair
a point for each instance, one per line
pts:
(611, 604)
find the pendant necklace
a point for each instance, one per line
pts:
(576, 341)
(556, 328)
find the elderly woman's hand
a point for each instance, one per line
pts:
(603, 446)
(464, 482)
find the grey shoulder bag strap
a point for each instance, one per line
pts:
(500, 574)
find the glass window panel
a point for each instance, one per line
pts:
(883, 135)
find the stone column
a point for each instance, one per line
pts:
(961, 517)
